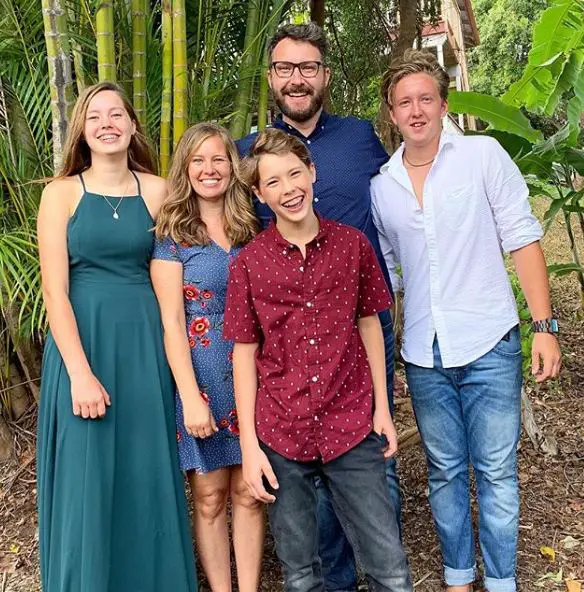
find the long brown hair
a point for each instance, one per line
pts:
(76, 153)
(180, 217)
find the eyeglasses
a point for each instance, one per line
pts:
(306, 69)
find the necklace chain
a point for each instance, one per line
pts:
(115, 209)
(418, 165)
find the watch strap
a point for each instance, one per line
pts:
(545, 326)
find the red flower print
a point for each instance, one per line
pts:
(233, 422)
(224, 423)
(203, 304)
(230, 356)
(205, 342)
(199, 326)
(207, 294)
(185, 244)
(205, 397)
(192, 342)
(178, 437)
(191, 292)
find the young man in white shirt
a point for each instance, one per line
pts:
(446, 207)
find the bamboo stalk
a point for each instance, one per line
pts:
(166, 103)
(180, 73)
(245, 91)
(60, 80)
(263, 92)
(77, 52)
(139, 58)
(104, 32)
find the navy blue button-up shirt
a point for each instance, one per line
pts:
(346, 153)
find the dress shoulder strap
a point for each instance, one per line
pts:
(137, 182)
(83, 183)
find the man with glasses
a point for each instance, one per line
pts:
(347, 154)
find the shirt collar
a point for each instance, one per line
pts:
(320, 125)
(274, 235)
(395, 163)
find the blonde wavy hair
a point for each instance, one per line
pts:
(180, 217)
(76, 152)
(414, 61)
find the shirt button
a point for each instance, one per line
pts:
(309, 304)
(312, 342)
(315, 379)
(316, 200)
(308, 141)
(316, 418)
(301, 268)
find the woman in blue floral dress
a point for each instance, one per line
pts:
(206, 219)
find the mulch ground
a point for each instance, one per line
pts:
(552, 488)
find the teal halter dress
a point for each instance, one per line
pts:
(112, 510)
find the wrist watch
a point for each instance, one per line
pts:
(545, 326)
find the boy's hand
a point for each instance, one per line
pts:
(255, 466)
(383, 425)
(545, 348)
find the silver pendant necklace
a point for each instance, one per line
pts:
(115, 209)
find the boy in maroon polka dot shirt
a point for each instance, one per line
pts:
(309, 371)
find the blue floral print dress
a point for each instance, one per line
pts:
(205, 275)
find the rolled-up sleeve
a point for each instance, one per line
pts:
(508, 195)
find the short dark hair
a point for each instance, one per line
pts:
(309, 33)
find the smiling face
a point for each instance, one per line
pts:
(108, 128)
(298, 98)
(285, 186)
(417, 109)
(210, 169)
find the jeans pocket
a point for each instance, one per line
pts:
(510, 345)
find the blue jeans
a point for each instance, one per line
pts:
(338, 559)
(357, 483)
(473, 414)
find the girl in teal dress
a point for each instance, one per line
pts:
(206, 219)
(112, 512)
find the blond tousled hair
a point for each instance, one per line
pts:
(76, 153)
(180, 217)
(414, 61)
(272, 141)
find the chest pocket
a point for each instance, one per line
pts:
(458, 205)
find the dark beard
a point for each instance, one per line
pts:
(316, 102)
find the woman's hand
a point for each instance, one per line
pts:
(198, 418)
(88, 396)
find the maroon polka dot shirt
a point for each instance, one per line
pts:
(314, 398)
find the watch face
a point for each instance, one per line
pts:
(554, 325)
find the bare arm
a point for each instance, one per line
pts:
(532, 272)
(89, 398)
(372, 337)
(167, 279)
(255, 462)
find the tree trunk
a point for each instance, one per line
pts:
(317, 12)
(166, 103)
(263, 92)
(61, 82)
(408, 31)
(139, 58)
(6, 442)
(104, 32)
(247, 74)
(77, 51)
(180, 73)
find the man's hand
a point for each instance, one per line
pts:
(545, 356)
(383, 425)
(255, 466)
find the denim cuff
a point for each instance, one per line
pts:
(459, 577)
(500, 585)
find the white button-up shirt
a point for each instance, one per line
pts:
(455, 283)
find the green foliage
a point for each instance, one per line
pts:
(502, 117)
(506, 28)
(524, 324)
